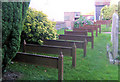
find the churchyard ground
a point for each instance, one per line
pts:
(95, 66)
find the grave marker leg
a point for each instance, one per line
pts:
(60, 67)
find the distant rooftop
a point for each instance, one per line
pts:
(72, 12)
(102, 2)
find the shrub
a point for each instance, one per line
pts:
(81, 21)
(107, 11)
(37, 27)
(119, 10)
(13, 14)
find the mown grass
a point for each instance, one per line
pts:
(61, 31)
(108, 29)
(104, 29)
(95, 66)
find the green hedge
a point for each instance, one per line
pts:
(37, 27)
(13, 14)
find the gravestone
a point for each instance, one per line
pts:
(114, 34)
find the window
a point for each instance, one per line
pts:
(76, 18)
(77, 14)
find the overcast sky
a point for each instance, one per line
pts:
(55, 8)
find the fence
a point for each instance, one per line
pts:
(76, 32)
(66, 43)
(78, 38)
(93, 27)
(104, 22)
(47, 49)
(47, 61)
(89, 28)
(83, 29)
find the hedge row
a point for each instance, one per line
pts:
(13, 15)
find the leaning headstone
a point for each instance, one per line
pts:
(114, 35)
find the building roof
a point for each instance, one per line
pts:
(102, 2)
(87, 15)
(70, 12)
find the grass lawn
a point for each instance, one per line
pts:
(95, 66)
(61, 31)
(104, 29)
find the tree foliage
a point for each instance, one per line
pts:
(81, 21)
(13, 14)
(37, 27)
(107, 11)
(119, 10)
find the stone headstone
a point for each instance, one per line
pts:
(114, 35)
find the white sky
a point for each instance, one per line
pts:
(55, 8)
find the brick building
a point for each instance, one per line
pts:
(70, 17)
(99, 4)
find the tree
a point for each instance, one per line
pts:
(119, 9)
(107, 11)
(13, 14)
(37, 27)
(81, 21)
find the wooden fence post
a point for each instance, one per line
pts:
(74, 55)
(60, 67)
(92, 41)
(99, 28)
(85, 46)
(96, 32)
(87, 33)
(92, 32)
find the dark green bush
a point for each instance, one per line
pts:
(81, 21)
(37, 27)
(13, 14)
